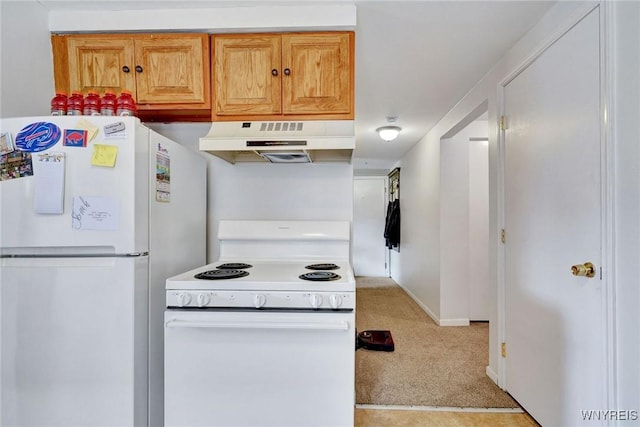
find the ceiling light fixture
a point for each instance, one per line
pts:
(388, 133)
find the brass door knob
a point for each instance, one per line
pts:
(587, 269)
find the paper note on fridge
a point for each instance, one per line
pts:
(95, 213)
(104, 155)
(92, 130)
(48, 196)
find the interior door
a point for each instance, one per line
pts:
(554, 321)
(369, 210)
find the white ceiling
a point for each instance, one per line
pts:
(417, 59)
(414, 59)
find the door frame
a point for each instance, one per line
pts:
(461, 126)
(607, 192)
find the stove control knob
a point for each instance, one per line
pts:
(184, 299)
(335, 301)
(259, 300)
(203, 299)
(315, 300)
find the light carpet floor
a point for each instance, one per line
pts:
(431, 365)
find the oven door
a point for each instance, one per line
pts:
(259, 368)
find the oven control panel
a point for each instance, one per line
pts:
(261, 300)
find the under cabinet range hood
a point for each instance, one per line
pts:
(281, 142)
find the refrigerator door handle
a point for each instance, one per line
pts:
(135, 254)
(128, 255)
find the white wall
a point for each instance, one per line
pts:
(285, 16)
(419, 261)
(317, 191)
(279, 191)
(417, 266)
(454, 230)
(26, 64)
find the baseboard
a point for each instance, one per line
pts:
(421, 305)
(439, 322)
(454, 322)
(492, 374)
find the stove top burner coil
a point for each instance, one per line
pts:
(320, 276)
(234, 266)
(327, 266)
(221, 274)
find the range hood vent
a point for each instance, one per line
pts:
(281, 142)
(286, 156)
(281, 126)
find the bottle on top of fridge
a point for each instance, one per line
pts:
(92, 104)
(75, 104)
(108, 105)
(125, 104)
(59, 104)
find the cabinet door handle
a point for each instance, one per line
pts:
(138, 69)
(274, 72)
(287, 71)
(125, 69)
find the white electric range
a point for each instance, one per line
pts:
(265, 336)
(265, 284)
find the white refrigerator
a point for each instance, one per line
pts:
(95, 214)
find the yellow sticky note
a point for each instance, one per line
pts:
(104, 155)
(91, 129)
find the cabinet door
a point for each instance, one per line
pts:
(172, 68)
(319, 79)
(247, 74)
(99, 63)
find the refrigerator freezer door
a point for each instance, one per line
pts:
(74, 346)
(104, 207)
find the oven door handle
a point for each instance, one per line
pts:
(326, 326)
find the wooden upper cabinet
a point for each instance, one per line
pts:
(162, 71)
(246, 70)
(317, 74)
(270, 76)
(97, 63)
(172, 69)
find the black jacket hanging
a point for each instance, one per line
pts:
(392, 224)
